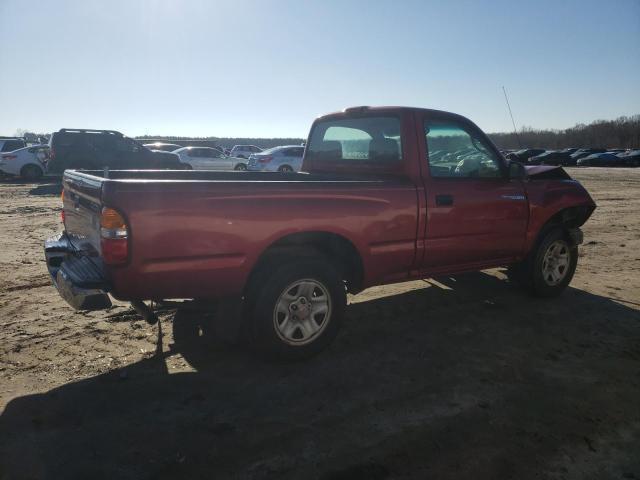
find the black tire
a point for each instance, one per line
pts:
(186, 166)
(31, 172)
(285, 169)
(532, 272)
(241, 167)
(267, 325)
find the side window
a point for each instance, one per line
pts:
(127, 145)
(296, 152)
(455, 151)
(353, 140)
(98, 142)
(11, 145)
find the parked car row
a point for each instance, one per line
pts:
(581, 157)
(96, 149)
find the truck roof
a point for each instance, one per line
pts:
(389, 109)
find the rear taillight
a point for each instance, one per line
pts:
(114, 237)
(266, 159)
(9, 157)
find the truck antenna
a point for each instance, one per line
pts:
(515, 130)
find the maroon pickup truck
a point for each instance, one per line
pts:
(386, 195)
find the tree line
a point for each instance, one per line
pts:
(623, 132)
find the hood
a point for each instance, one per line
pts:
(545, 172)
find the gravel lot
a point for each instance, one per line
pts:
(463, 377)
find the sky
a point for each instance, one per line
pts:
(267, 68)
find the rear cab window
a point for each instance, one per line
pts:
(367, 143)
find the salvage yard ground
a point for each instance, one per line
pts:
(463, 377)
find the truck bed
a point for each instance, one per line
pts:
(198, 234)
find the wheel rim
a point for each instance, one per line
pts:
(302, 312)
(555, 263)
(241, 166)
(286, 169)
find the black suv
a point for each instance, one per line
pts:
(96, 149)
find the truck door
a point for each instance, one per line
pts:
(475, 213)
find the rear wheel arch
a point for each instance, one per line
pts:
(335, 248)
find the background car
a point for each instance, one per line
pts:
(287, 158)
(601, 160)
(244, 151)
(585, 152)
(96, 149)
(524, 154)
(9, 144)
(630, 158)
(208, 158)
(28, 162)
(165, 147)
(552, 157)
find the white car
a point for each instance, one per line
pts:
(29, 163)
(244, 151)
(283, 159)
(207, 158)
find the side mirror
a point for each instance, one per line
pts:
(517, 171)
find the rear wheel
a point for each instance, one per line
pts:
(31, 172)
(285, 169)
(298, 309)
(241, 167)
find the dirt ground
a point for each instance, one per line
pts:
(463, 377)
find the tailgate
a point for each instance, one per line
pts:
(82, 206)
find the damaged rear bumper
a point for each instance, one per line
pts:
(79, 280)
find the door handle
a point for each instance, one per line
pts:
(444, 200)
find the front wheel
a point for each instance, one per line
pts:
(297, 310)
(549, 268)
